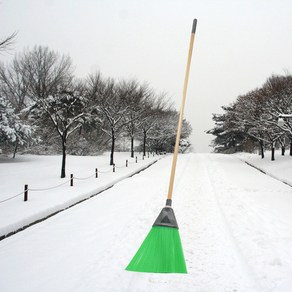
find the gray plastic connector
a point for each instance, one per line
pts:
(166, 218)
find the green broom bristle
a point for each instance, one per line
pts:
(160, 252)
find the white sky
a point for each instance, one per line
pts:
(238, 44)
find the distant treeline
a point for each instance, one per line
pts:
(251, 121)
(46, 109)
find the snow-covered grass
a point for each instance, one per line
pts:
(235, 225)
(48, 193)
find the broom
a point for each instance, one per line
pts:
(161, 251)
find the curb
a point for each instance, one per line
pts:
(266, 173)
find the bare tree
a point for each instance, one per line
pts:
(34, 74)
(6, 43)
(155, 107)
(138, 107)
(14, 83)
(107, 102)
(113, 107)
(66, 111)
(46, 70)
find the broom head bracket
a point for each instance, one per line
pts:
(166, 218)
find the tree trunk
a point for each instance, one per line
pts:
(262, 149)
(273, 153)
(112, 148)
(15, 150)
(144, 143)
(63, 167)
(283, 150)
(132, 147)
(291, 147)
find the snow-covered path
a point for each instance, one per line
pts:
(235, 225)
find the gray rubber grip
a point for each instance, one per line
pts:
(194, 25)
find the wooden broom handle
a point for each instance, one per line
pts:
(180, 121)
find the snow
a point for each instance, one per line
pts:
(48, 193)
(235, 226)
(280, 169)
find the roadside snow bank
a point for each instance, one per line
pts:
(280, 168)
(48, 193)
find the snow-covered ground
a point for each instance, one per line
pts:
(48, 193)
(280, 168)
(235, 226)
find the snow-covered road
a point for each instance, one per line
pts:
(235, 226)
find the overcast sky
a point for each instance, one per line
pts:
(238, 44)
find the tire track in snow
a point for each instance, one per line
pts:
(259, 228)
(210, 251)
(213, 175)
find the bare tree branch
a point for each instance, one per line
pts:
(6, 44)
